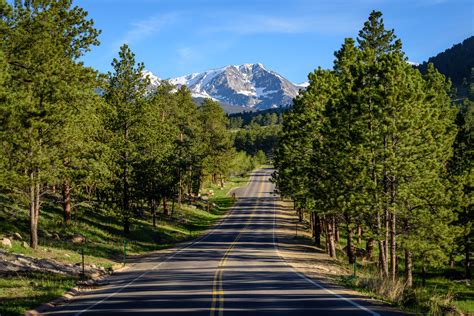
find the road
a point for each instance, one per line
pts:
(235, 269)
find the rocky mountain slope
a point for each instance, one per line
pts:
(249, 86)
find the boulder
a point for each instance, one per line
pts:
(78, 239)
(17, 236)
(6, 243)
(25, 245)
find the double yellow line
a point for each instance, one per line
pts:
(217, 306)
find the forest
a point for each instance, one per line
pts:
(101, 141)
(377, 153)
(374, 154)
(456, 63)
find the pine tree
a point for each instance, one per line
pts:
(45, 39)
(125, 93)
(215, 139)
(461, 175)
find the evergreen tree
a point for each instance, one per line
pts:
(215, 139)
(125, 93)
(44, 41)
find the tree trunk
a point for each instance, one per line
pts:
(369, 249)
(451, 260)
(350, 248)
(387, 238)
(179, 190)
(393, 247)
(383, 267)
(423, 274)
(317, 230)
(326, 234)
(359, 234)
(126, 200)
(408, 268)
(332, 246)
(165, 206)
(383, 259)
(153, 210)
(467, 259)
(336, 231)
(33, 213)
(172, 207)
(126, 225)
(67, 202)
(299, 212)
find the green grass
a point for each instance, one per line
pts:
(105, 239)
(19, 293)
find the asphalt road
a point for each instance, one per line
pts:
(236, 269)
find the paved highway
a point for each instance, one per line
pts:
(236, 269)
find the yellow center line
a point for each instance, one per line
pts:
(217, 288)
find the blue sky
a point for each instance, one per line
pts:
(292, 37)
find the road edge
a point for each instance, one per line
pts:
(77, 291)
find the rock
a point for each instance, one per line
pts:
(465, 281)
(78, 239)
(67, 255)
(6, 243)
(93, 266)
(25, 245)
(17, 236)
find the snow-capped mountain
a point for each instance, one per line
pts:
(154, 80)
(249, 86)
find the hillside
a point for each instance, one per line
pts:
(455, 63)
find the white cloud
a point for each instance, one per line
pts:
(187, 54)
(149, 26)
(254, 24)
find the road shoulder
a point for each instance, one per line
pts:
(296, 248)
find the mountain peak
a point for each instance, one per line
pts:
(249, 86)
(246, 85)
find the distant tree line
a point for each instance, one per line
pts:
(263, 118)
(106, 139)
(456, 63)
(255, 132)
(377, 150)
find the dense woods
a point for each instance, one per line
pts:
(103, 138)
(374, 152)
(456, 63)
(256, 133)
(377, 151)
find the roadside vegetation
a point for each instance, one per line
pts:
(21, 291)
(101, 158)
(380, 160)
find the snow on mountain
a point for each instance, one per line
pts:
(302, 85)
(248, 85)
(154, 80)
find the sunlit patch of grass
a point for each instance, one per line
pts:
(19, 293)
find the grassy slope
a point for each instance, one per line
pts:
(104, 243)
